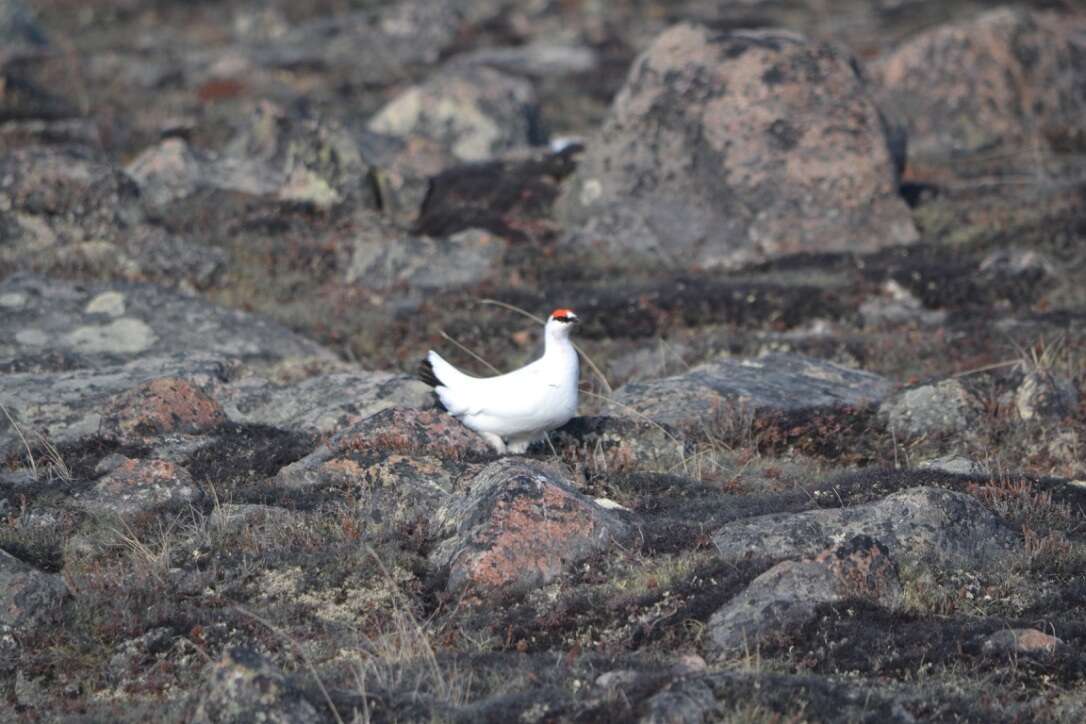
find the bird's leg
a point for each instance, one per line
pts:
(519, 447)
(495, 441)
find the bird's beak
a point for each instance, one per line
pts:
(574, 319)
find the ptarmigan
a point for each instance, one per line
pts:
(512, 410)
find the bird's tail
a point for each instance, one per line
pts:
(436, 372)
(425, 372)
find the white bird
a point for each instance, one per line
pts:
(510, 411)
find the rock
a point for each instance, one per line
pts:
(786, 597)
(132, 655)
(64, 194)
(897, 305)
(1021, 641)
(422, 264)
(69, 210)
(685, 702)
(280, 157)
(475, 112)
(324, 403)
(20, 34)
(943, 408)
(64, 316)
(746, 695)
(618, 443)
(243, 686)
(956, 464)
(401, 465)
(922, 524)
(429, 432)
(1045, 395)
(997, 81)
(538, 59)
(135, 486)
(521, 526)
(727, 148)
(28, 597)
(774, 383)
(163, 405)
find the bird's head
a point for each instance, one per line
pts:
(561, 322)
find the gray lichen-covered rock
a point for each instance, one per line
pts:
(108, 324)
(324, 403)
(773, 383)
(943, 408)
(475, 112)
(917, 525)
(66, 404)
(723, 148)
(998, 80)
(786, 596)
(243, 686)
(28, 597)
(520, 526)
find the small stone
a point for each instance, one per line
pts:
(243, 686)
(12, 300)
(32, 337)
(1046, 395)
(475, 112)
(109, 303)
(1022, 641)
(28, 597)
(957, 464)
(943, 408)
(121, 336)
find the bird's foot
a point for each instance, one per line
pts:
(495, 441)
(519, 447)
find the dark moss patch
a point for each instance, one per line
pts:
(246, 453)
(678, 514)
(509, 198)
(857, 636)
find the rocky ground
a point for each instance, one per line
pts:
(832, 458)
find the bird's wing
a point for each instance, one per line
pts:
(516, 395)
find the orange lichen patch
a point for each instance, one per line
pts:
(529, 538)
(1022, 641)
(164, 405)
(219, 90)
(862, 567)
(141, 474)
(1032, 640)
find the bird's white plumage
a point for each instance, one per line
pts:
(512, 410)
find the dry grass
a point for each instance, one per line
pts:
(53, 465)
